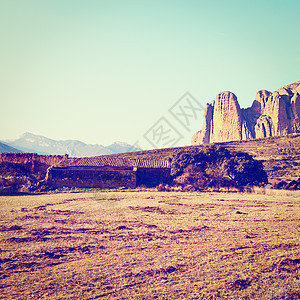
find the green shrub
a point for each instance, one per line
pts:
(215, 166)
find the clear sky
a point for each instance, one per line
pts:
(104, 71)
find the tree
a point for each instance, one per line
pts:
(245, 170)
(216, 166)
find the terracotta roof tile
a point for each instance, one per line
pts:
(101, 161)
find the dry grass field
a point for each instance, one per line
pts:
(150, 245)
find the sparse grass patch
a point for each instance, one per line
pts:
(150, 245)
(274, 192)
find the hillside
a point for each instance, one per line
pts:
(280, 155)
(5, 148)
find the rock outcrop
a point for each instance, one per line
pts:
(271, 114)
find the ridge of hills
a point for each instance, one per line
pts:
(280, 155)
(6, 148)
(42, 145)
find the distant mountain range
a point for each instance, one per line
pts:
(32, 143)
(6, 148)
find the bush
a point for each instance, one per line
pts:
(162, 187)
(284, 185)
(215, 166)
(192, 178)
(14, 169)
(16, 177)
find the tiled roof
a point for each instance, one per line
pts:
(101, 161)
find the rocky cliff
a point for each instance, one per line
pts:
(271, 114)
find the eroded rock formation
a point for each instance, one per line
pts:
(271, 114)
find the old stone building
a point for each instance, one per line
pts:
(108, 172)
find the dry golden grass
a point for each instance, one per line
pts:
(150, 245)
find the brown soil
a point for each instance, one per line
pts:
(150, 245)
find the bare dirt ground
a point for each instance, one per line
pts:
(150, 245)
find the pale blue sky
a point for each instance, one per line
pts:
(105, 71)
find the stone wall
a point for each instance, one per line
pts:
(91, 178)
(152, 177)
(106, 177)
